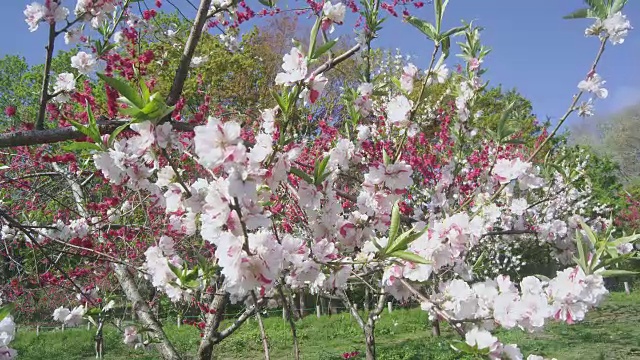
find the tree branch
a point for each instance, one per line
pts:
(352, 309)
(39, 137)
(263, 331)
(144, 313)
(292, 325)
(239, 321)
(28, 176)
(187, 54)
(435, 308)
(44, 92)
(331, 63)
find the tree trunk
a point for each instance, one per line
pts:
(219, 304)
(289, 317)
(128, 285)
(435, 324)
(333, 310)
(369, 326)
(435, 327)
(366, 299)
(294, 308)
(164, 346)
(301, 303)
(99, 339)
(263, 335)
(627, 288)
(370, 341)
(156, 306)
(323, 304)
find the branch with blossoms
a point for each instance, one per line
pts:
(235, 210)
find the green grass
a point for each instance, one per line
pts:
(610, 333)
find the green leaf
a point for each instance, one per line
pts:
(590, 234)
(6, 310)
(191, 275)
(462, 346)
(579, 14)
(314, 35)
(616, 261)
(582, 253)
(455, 31)
(152, 106)
(282, 103)
(425, 27)
(323, 177)
(617, 6)
(385, 157)
(98, 45)
(614, 273)
(599, 7)
(446, 46)
(395, 223)
(93, 126)
(613, 261)
(146, 95)
(130, 111)
(478, 262)
(123, 88)
(301, 174)
(397, 83)
(92, 119)
(318, 172)
(155, 110)
(375, 243)
(438, 7)
(405, 239)
(107, 48)
(83, 129)
(116, 132)
(81, 146)
(409, 256)
(92, 321)
(176, 270)
(269, 3)
(625, 240)
(323, 49)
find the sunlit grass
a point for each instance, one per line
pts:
(610, 333)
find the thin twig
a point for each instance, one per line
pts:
(331, 63)
(263, 332)
(292, 324)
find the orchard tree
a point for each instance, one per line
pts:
(213, 204)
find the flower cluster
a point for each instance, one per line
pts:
(7, 334)
(399, 189)
(567, 297)
(70, 317)
(51, 13)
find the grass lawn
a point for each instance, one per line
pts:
(609, 333)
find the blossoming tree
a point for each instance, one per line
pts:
(212, 208)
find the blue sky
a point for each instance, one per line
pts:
(534, 49)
